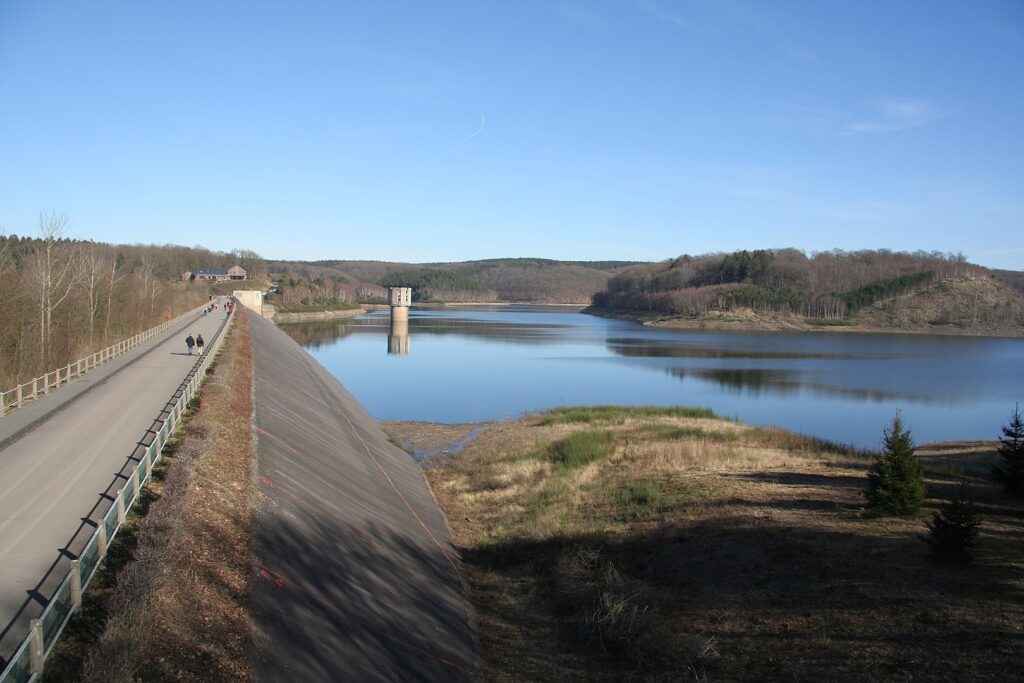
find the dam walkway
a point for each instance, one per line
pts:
(65, 456)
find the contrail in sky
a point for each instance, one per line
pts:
(483, 123)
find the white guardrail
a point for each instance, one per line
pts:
(23, 393)
(26, 665)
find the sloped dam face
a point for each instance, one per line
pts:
(357, 576)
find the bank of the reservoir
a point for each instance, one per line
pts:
(609, 544)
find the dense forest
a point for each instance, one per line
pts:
(64, 298)
(831, 285)
(534, 280)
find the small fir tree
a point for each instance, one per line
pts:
(895, 481)
(1010, 471)
(953, 530)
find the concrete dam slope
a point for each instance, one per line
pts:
(357, 577)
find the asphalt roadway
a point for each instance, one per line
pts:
(61, 462)
(357, 579)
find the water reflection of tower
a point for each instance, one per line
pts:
(399, 298)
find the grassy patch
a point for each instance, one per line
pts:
(668, 432)
(620, 544)
(619, 414)
(638, 500)
(773, 437)
(581, 449)
(317, 308)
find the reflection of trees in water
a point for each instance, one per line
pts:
(313, 335)
(752, 380)
(645, 348)
(322, 332)
(757, 381)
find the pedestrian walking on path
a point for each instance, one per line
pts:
(190, 342)
(199, 343)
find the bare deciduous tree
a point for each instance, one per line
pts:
(89, 268)
(49, 269)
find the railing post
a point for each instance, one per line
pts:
(76, 586)
(135, 483)
(19, 395)
(35, 648)
(35, 387)
(120, 507)
(101, 533)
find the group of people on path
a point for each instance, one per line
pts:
(196, 341)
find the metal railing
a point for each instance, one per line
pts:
(26, 665)
(13, 399)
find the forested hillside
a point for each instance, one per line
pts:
(63, 299)
(833, 287)
(520, 279)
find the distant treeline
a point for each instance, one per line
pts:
(512, 279)
(828, 285)
(64, 298)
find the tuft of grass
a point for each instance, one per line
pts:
(554, 493)
(619, 414)
(638, 500)
(773, 437)
(662, 432)
(581, 448)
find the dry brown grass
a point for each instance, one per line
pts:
(700, 548)
(180, 609)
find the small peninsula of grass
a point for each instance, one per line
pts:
(318, 308)
(609, 544)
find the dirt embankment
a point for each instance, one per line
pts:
(953, 306)
(606, 544)
(180, 608)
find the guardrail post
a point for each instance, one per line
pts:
(76, 586)
(19, 395)
(101, 538)
(35, 648)
(135, 483)
(120, 507)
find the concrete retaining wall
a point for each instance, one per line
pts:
(358, 579)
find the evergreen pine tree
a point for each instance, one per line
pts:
(953, 531)
(1010, 473)
(896, 481)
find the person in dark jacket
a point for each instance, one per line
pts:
(190, 342)
(199, 343)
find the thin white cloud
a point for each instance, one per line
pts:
(892, 115)
(483, 124)
(769, 31)
(658, 11)
(574, 12)
(730, 17)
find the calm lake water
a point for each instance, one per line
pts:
(472, 364)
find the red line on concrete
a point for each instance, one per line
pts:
(439, 545)
(281, 582)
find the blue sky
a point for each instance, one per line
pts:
(416, 131)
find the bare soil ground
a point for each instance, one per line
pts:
(656, 547)
(179, 610)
